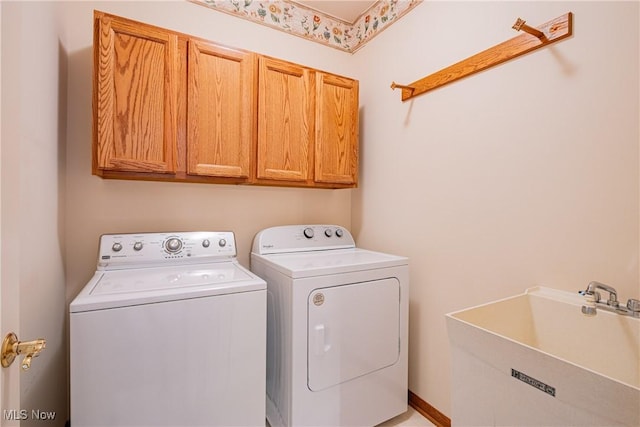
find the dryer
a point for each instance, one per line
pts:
(337, 327)
(170, 331)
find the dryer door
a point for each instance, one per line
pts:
(353, 330)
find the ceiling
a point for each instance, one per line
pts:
(344, 10)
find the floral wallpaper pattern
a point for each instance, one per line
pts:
(296, 19)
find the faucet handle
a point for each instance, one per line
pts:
(589, 307)
(633, 305)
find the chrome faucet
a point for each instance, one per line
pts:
(592, 301)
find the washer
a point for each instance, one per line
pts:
(170, 331)
(336, 327)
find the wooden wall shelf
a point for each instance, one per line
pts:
(533, 38)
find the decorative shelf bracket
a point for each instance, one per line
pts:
(532, 39)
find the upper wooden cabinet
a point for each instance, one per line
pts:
(135, 96)
(285, 121)
(220, 112)
(307, 125)
(336, 156)
(168, 106)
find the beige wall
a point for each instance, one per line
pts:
(522, 175)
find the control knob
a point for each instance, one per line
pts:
(308, 232)
(117, 247)
(137, 246)
(339, 232)
(173, 245)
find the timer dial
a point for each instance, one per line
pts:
(173, 245)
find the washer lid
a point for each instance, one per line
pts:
(119, 288)
(321, 263)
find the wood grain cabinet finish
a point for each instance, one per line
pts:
(336, 144)
(307, 126)
(135, 97)
(169, 106)
(220, 110)
(285, 121)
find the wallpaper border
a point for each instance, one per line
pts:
(296, 19)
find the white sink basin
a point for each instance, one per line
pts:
(523, 348)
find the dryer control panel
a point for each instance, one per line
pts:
(118, 251)
(302, 238)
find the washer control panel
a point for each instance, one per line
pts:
(301, 238)
(143, 249)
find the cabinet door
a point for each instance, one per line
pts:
(221, 108)
(135, 96)
(285, 121)
(336, 150)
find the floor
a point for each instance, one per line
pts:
(411, 418)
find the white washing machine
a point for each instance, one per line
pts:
(336, 328)
(170, 331)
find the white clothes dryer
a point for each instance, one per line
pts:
(337, 331)
(170, 331)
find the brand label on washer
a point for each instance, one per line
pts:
(318, 299)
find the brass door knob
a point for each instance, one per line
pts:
(11, 347)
